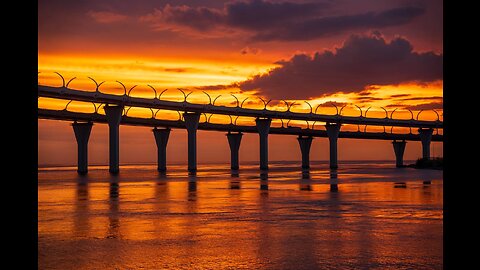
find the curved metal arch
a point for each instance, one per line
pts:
(313, 125)
(311, 109)
(126, 111)
(411, 113)
(66, 106)
(438, 116)
(124, 88)
(154, 90)
(386, 113)
(235, 122)
(66, 86)
(98, 108)
(63, 79)
(235, 99)
(210, 117)
(160, 96)
(281, 120)
(97, 84)
(361, 114)
(129, 91)
(341, 109)
(155, 115)
(264, 103)
(206, 117)
(291, 105)
(209, 98)
(241, 105)
(180, 116)
(185, 100)
(215, 99)
(308, 124)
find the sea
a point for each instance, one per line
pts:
(363, 215)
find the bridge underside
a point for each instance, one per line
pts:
(134, 121)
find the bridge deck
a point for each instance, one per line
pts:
(98, 97)
(126, 120)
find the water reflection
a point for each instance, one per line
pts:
(234, 181)
(192, 187)
(305, 181)
(113, 230)
(263, 180)
(81, 224)
(333, 180)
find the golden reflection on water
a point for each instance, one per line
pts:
(217, 219)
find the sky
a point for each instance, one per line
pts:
(372, 54)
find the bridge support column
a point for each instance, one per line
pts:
(161, 139)
(305, 143)
(332, 131)
(191, 123)
(82, 134)
(263, 127)
(426, 138)
(234, 140)
(114, 116)
(399, 149)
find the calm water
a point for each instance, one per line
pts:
(355, 218)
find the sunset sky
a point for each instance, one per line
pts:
(366, 53)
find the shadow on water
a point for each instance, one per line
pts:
(264, 180)
(333, 180)
(305, 182)
(82, 224)
(234, 182)
(113, 230)
(192, 187)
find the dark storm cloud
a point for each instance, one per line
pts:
(362, 61)
(320, 27)
(426, 106)
(266, 21)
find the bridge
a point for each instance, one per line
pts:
(116, 114)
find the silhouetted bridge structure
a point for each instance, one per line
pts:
(115, 114)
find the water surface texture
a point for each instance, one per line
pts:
(365, 215)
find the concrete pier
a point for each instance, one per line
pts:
(426, 137)
(399, 149)
(161, 139)
(191, 123)
(332, 132)
(114, 116)
(82, 134)
(234, 140)
(263, 127)
(305, 143)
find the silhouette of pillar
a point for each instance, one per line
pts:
(332, 132)
(399, 149)
(234, 140)
(161, 138)
(263, 127)
(82, 134)
(114, 116)
(426, 138)
(191, 123)
(305, 143)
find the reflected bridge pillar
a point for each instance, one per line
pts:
(399, 149)
(191, 123)
(82, 134)
(305, 143)
(426, 138)
(234, 140)
(263, 127)
(114, 116)
(332, 131)
(161, 139)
